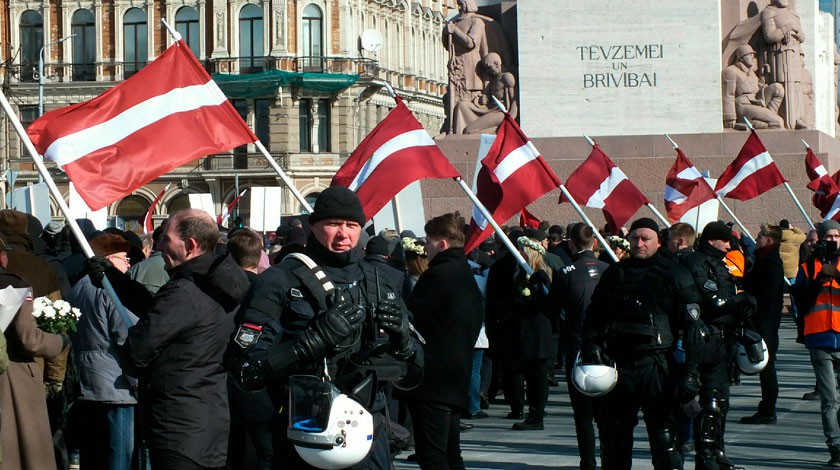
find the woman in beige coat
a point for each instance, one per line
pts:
(25, 433)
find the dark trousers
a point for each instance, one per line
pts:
(437, 435)
(163, 459)
(106, 435)
(583, 408)
(768, 378)
(516, 375)
(642, 385)
(249, 446)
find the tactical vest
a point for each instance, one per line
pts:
(366, 352)
(639, 324)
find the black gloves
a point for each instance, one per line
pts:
(591, 353)
(688, 385)
(95, 268)
(744, 305)
(326, 331)
(390, 318)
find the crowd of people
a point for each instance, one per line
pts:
(218, 351)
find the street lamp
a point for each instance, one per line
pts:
(41, 78)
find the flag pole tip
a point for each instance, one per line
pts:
(673, 144)
(805, 144)
(588, 139)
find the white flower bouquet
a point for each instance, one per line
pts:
(55, 316)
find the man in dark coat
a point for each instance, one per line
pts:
(447, 308)
(178, 344)
(766, 282)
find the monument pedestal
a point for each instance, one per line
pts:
(646, 160)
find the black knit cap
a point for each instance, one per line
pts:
(715, 231)
(645, 222)
(338, 202)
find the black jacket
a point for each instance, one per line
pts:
(766, 282)
(447, 308)
(717, 287)
(177, 347)
(572, 291)
(643, 292)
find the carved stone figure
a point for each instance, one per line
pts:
(782, 30)
(469, 37)
(744, 96)
(220, 29)
(482, 113)
(464, 36)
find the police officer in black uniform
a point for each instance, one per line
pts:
(340, 308)
(572, 291)
(639, 310)
(723, 309)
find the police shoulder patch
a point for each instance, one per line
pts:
(710, 285)
(247, 335)
(296, 293)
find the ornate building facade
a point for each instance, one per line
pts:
(304, 74)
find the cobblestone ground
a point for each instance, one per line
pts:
(795, 442)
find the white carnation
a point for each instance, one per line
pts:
(62, 306)
(40, 302)
(76, 312)
(37, 312)
(49, 312)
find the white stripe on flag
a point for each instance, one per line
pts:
(607, 186)
(515, 160)
(821, 171)
(689, 173)
(835, 208)
(71, 147)
(753, 165)
(415, 138)
(479, 219)
(672, 195)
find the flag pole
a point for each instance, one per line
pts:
(720, 200)
(649, 205)
(394, 202)
(59, 199)
(516, 254)
(177, 37)
(574, 203)
(787, 186)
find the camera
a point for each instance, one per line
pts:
(825, 251)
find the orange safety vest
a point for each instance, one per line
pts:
(825, 314)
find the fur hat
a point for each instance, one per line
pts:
(13, 222)
(108, 244)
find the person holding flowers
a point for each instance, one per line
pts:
(26, 438)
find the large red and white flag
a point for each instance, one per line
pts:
(599, 183)
(396, 153)
(148, 225)
(685, 188)
(222, 218)
(165, 116)
(512, 175)
(752, 173)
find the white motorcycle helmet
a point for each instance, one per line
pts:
(752, 355)
(329, 430)
(594, 380)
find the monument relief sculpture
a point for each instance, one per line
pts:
(482, 113)
(782, 30)
(469, 37)
(744, 96)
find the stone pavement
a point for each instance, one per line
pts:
(795, 442)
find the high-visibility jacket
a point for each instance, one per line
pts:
(824, 315)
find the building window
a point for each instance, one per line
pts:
(31, 42)
(131, 211)
(262, 122)
(323, 125)
(135, 37)
(240, 154)
(186, 23)
(313, 49)
(310, 198)
(250, 39)
(84, 46)
(305, 124)
(28, 114)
